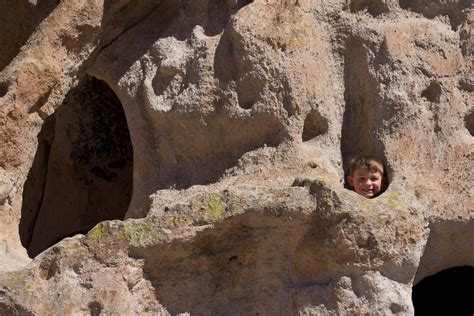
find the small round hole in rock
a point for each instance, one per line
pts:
(4, 88)
(433, 92)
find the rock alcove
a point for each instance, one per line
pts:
(314, 125)
(448, 291)
(82, 172)
(364, 111)
(446, 271)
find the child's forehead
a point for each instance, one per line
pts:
(367, 170)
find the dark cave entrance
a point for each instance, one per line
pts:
(449, 292)
(82, 171)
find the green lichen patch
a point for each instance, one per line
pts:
(365, 204)
(214, 208)
(141, 233)
(133, 232)
(396, 201)
(384, 220)
(97, 232)
(177, 221)
(298, 34)
(388, 201)
(42, 64)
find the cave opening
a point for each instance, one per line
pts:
(447, 292)
(82, 171)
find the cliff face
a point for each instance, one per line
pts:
(209, 142)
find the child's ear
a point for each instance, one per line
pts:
(349, 180)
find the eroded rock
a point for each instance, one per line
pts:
(213, 138)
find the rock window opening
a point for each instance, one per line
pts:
(365, 112)
(447, 292)
(82, 171)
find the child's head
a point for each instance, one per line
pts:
(366, 174)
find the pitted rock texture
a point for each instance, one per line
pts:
(206, 144)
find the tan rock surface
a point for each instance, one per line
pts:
(241, 117)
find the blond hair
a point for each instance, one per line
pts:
(365, 162)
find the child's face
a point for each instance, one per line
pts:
(365, 182)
